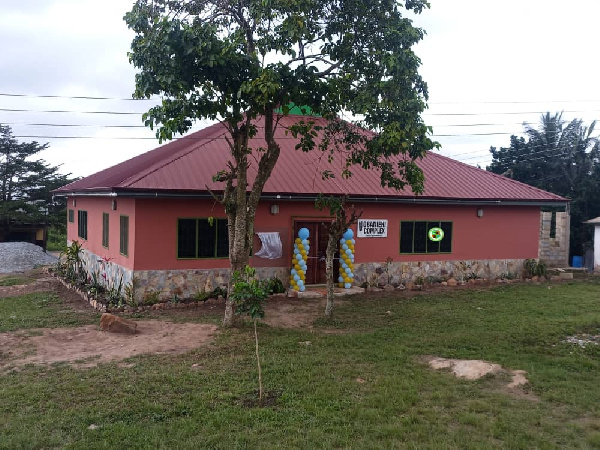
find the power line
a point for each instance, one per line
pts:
(76, 97)
(504, 102)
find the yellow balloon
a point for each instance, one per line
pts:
(297, 267)
(300, 247)
(301, 272)
(298, 241)
(303, 253)
(341, 285)
(348, 242)
(296, 288)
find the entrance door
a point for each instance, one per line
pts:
(319, 234)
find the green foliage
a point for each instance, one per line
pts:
(26, 185)
(248, 293)
(69, 263)
(130, 290)
(151, 298)
(57, 237)
(535, 268)
(562, 158)
(274, 286)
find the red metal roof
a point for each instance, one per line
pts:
(188, 165)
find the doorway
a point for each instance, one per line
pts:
(319, 234)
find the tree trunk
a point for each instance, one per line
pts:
(329, 254)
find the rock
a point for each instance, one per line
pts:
(93, 427)
(116, 324)
(292, 293)
(471, 281)
(535, 279)
(566, 276)
(452, 282)
(388, 287)
(401, 287)
(444, 283)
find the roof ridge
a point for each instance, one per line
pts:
(502, 177)
(176, 156)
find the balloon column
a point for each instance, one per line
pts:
(347, 259)
(301, 249)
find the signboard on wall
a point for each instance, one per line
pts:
(372, 228)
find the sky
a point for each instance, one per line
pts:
(490, 67)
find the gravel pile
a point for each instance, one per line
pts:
(22, 256)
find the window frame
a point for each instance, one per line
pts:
(105, 230)
(124, 236)
(215, 248)
(451, 222)
(71, 215)
(83, 235)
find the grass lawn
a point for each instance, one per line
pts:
(13, 280)
(204, 398)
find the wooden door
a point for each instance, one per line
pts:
(319, 234)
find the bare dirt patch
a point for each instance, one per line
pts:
(88, 346)
(293, 312)
(477, 369)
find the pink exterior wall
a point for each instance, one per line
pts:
(504, 232)
(95, 206)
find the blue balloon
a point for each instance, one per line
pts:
(345, 247)
(347, 285)
(348, 234)
(348, 252)
(300, 282)
(344, 265)
(342, 241)
(294, 272)
(302, 288)
(348, 270)
(353, 241)
(340, 279)
(298, 256)
(305, 242)
(296, 277)
(307, 248)
(296, 251)
(303, 233)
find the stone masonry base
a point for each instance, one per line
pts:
(164, 285)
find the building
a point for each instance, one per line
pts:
(153, 218)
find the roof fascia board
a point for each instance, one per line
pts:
(304, 198)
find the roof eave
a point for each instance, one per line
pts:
(155, 193)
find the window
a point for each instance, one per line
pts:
(202, 238)
(105, 230)
(414, 238)
(124, 235)
(71, 216)
(82, 224)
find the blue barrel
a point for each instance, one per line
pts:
(577, 261)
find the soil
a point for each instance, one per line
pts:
(88, 346)
(477, 369)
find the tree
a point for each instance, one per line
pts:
(26, 185)
(561, 158)
(239, 60)
(343, 217)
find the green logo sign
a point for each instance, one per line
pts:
(436, 234)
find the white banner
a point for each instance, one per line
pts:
(372, 228)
